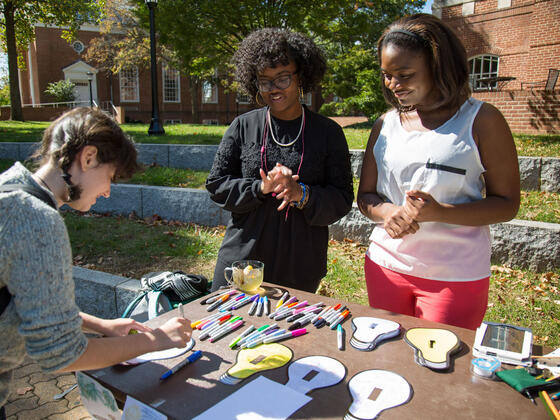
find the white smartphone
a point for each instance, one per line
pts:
(508, 343)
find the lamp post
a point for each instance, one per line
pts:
(156, 128)
(90, 78)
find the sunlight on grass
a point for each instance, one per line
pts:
(356, 136)
(170, 177)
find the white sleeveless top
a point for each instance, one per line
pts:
(446, 164)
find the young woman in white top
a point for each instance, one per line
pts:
(438, 169)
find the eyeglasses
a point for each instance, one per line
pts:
(281, 82)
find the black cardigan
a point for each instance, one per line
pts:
(293, 248)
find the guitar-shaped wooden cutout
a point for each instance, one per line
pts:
(433, 347)
(369, 332)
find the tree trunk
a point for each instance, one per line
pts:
(15, 98)
(194, 84)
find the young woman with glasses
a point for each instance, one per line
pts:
(282, 170)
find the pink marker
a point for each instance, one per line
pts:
(289, 334)
(227, 330)
(300, 305)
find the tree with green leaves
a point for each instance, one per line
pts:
(199, 36)
(17, 30)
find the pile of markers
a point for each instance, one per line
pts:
(298, 313)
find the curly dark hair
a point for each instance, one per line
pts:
(444, 50)
(80, 127)
(271, 47)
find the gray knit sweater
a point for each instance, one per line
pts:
(42, 318)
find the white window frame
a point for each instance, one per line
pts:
(481, 73)
(133, 88)
(173, 76)
(208, 86)
(243, 99)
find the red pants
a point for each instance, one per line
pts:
(459, 303)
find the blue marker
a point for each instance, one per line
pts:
(193, 357)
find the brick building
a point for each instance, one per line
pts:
(513, 46)
(50, 58)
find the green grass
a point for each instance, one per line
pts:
(356, 136)
(132, 248)
(170, 177)
(539, 206)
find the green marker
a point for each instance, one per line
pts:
(243, 334)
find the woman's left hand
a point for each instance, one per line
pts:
(123, 326)
(421, 206)
(287, 188)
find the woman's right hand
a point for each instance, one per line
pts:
(398, 223)
(174, 333)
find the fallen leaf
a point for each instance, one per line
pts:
(24, 390)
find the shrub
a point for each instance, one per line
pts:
(61, 91)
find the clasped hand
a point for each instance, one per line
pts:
(419, 206)
(281, 182)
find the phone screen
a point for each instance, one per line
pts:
(503, 337)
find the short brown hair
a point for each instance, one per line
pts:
(80, 127)
(443, 49)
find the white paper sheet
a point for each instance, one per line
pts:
(159, 355)
(261, 399)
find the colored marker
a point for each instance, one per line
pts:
(192, 358)
(217, 303)
(339, 319)
(323, 312)
(227, 330)
(302, 322)
(252, 335)
(260, 340)
(223, 326)
(290, 334)
(260, 307)
(340, 337)
(282, 299)
(240, 336)
(253, 307)
(201, 322)
(266, 306)
(212, 299)
(242, 302)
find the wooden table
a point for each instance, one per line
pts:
(453, 394)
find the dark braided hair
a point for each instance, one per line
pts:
(443, 49)
(80, 127)
(271, 47)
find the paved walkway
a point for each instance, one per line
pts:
(346, 121)
(33, 391)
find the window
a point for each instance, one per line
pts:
(243, 99)
(483, 68)
(171, 89)
(78, 46)
(209, 93)
(128, 82)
